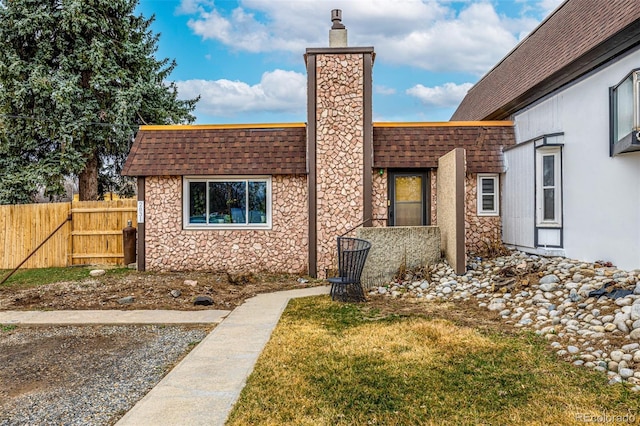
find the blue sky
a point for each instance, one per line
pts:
(245, 58)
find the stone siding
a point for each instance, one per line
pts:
(284, 248)
(380, 198)
(340, 151)
(481, 231)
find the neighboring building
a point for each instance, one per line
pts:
(275, 196)
(572, 90)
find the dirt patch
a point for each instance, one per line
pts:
(460, 312)
(149, 291)
(84, 374)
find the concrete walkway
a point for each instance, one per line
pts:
(204, 386)
(112, 317)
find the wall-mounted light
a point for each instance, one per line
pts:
(381, 172)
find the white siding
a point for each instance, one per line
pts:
(518, 197)
(601, 198)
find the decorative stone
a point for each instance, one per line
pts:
(616, 356)
(549, 279)
(126, 300)
(625, 373)
(175, 293)
(203, 301)
(574, 296)
(191, 283)
(625, 301)
(635, 334)
(573, 349)
(97, 272)
(634, 315)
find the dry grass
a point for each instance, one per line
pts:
(330, 363)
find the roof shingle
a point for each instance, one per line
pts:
(217, 151)
(422, 146)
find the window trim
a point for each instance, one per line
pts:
(186, 197)
(426, 193)
(479, 194)
(556, 152)
(629, 142)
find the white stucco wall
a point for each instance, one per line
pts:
(601, 195)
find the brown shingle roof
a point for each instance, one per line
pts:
(397, 146)
(579, 36)
(217, 150)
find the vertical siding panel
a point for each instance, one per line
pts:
(519, 196)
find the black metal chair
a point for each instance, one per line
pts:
(352, 254)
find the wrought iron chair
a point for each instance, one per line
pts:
(352, 255)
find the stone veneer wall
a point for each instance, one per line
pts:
(284, 248)
(339, 150)
(380, 198)
(480, 230)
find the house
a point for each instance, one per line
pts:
(572, 91)
(275, 196)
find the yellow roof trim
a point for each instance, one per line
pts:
(221, 126)
(446, 124)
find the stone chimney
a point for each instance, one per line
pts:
(338, 32)
(339, 143)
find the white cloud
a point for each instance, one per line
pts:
(384, 90)
(424, 33)
(278, 91)
(447, 95)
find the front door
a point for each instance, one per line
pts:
(408, 198)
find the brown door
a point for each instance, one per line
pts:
(408, 196)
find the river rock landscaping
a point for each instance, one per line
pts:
(589, 312)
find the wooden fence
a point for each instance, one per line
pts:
(92, 236)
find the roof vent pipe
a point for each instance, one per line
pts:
(338, 32)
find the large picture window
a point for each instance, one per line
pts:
(230, 203)
(488, 198)
(625, 115)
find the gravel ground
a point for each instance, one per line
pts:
(84, 375)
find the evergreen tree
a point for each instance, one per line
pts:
(77, 78)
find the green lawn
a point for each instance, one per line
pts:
(329, 363)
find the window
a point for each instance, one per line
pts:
(229, 203)
(488, 198)
(625, 115)
(549, 186)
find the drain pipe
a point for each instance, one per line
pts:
(68, 219)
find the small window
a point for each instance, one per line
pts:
(488, 198)
(625, 115)
(228, 203)
(548, 187)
